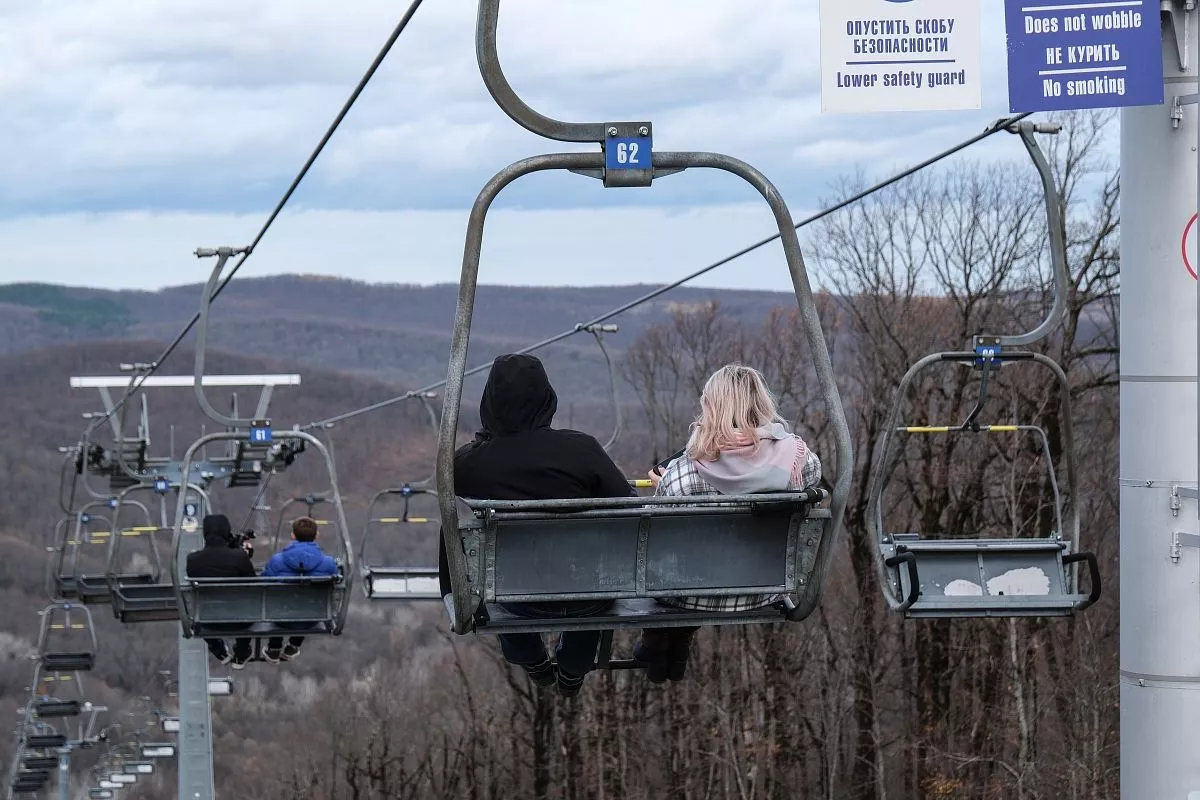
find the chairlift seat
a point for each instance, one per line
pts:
(31, 785)
(988, 577)
(47, 709)
(69, 662)
(38, 776)
(284, 606)
(39, 762)
(636, 551)
(45, 741)
(402, 583)
(145, 602)
(94, 589)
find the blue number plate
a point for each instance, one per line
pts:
(260, 435)
(631, 152)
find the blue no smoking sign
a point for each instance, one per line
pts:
(1098, 54)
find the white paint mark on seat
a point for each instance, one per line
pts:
(1030, 580)
(961, 588)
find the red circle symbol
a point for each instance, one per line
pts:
(1187, 231)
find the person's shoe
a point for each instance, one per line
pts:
(225, 659)
(653, 661)
(289, 652)
(569, 685)
(272, 656)
(542, 674)
(239, 663)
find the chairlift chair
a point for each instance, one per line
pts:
(70, 578)
(922, 576)
(141, 596)
(392, 582)
(59, 583)
(285, 606)
(59, 649)
(629, 550)
(929, 577)
(47, 699)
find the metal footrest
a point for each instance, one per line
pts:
(47, 709)
(39, 762)
(987, 577)
(155, 602)
(639, 612)
(69, 662)
(400, 583)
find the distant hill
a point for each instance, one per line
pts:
(392, 332)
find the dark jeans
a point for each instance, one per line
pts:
(242, 649)
(576, 651)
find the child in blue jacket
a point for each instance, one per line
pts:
(300, 558)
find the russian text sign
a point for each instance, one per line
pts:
(900, 55)
(1096, 54)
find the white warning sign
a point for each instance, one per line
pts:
(900, 55)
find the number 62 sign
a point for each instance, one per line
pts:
(631, 152)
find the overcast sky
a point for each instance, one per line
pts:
(133, 131)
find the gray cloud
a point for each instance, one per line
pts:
(180, 122)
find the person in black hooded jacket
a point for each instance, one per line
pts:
(518, 456)
(222, 558)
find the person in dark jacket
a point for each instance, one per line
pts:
(302, 557)
(518, 456)
(221, 557)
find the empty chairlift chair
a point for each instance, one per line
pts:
(286, 606)
(629, 550)
(66, 640)
(81, 566)
(60, 583)
(55, 695)
(145, 595)
(932, 576)
(393, 582)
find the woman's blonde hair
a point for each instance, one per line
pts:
(734, 402)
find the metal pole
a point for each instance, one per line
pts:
(1160, 594)
(64, 775)
(195, 755)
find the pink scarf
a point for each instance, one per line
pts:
(774, 466)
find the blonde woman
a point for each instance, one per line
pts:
(739, 445)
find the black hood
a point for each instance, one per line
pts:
(217, 529)
(518, 397)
